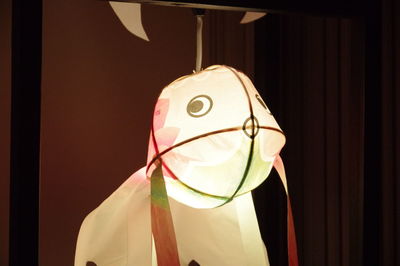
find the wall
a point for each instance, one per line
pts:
(100, 84)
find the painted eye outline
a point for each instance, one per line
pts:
(199, 101)
(261, 101)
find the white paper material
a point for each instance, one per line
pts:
(118, 232)
(251, 16)
(202, 126)
(216, 140)
(130, 16)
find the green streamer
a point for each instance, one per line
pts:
(159, 195)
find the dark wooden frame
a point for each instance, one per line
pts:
(25, 117)
(25, 131)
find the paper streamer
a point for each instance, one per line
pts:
(291, 234)
(161, 221)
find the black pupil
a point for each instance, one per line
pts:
(196, 106)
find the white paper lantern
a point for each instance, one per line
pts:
(215, 137)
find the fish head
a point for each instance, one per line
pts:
(214, 136)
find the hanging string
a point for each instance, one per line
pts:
(199, 37)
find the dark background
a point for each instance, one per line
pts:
(5, 85)
(312, 75)
(99, 85)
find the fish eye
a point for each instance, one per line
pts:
(261, 101)
(199, 106)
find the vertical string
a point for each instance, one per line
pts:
(199, 42)
(199, 38)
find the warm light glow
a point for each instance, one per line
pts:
(215, 136)
(212, 141)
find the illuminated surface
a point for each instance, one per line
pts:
(215, 136)
(213, 139)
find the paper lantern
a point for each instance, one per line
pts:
(215, 137)
(213, 140)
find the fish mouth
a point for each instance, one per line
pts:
(212, 198)
(243, 128)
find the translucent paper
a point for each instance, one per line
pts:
(213, 140)
(118, 232)
(215, 136)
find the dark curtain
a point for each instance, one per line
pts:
(346, 201)
(389, 201)
(310, 70)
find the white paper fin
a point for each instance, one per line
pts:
(251, 16)
(130, 16)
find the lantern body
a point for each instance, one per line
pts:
(215, 137)
(118, 232)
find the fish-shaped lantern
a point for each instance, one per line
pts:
(212, 141)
